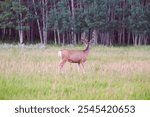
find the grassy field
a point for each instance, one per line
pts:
(110, 73)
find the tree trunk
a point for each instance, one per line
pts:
(63, 38)
(145, 40)
(128, 42)
(21, 36)
(73, 34)
(44, 14)
(55, 38)
(38, 23)
(135, 39)
(58, 35)
(20, 28)
(9, 33)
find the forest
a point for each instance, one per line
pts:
(59, 22)
(34, 32)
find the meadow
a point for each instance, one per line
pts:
(115, 73)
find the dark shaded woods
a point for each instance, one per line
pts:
(114, 22)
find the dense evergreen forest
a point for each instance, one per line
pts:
(114, 22)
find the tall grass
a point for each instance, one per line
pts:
(110, 73)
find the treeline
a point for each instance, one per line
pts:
(114, 22)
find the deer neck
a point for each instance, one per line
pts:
(87, 49)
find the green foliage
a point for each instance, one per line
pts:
(6, 16)
(95, 15)
(121, 17)
(13, 14)
(60, 17)
(98, 15)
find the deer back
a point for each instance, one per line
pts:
(73, 56)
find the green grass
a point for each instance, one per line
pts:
(110, 73)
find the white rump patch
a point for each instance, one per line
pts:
(59, 54)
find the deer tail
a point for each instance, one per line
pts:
(60, 54)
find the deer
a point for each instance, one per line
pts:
(75, 56)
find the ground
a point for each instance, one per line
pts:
(31, 72)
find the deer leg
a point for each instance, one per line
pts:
(61, 64)
(78, 67)
(82, 66)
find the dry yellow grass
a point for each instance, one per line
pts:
(128, 67)
(110, 73)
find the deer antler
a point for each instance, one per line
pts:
(92, 41)
(84, 38)
(93, 37)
